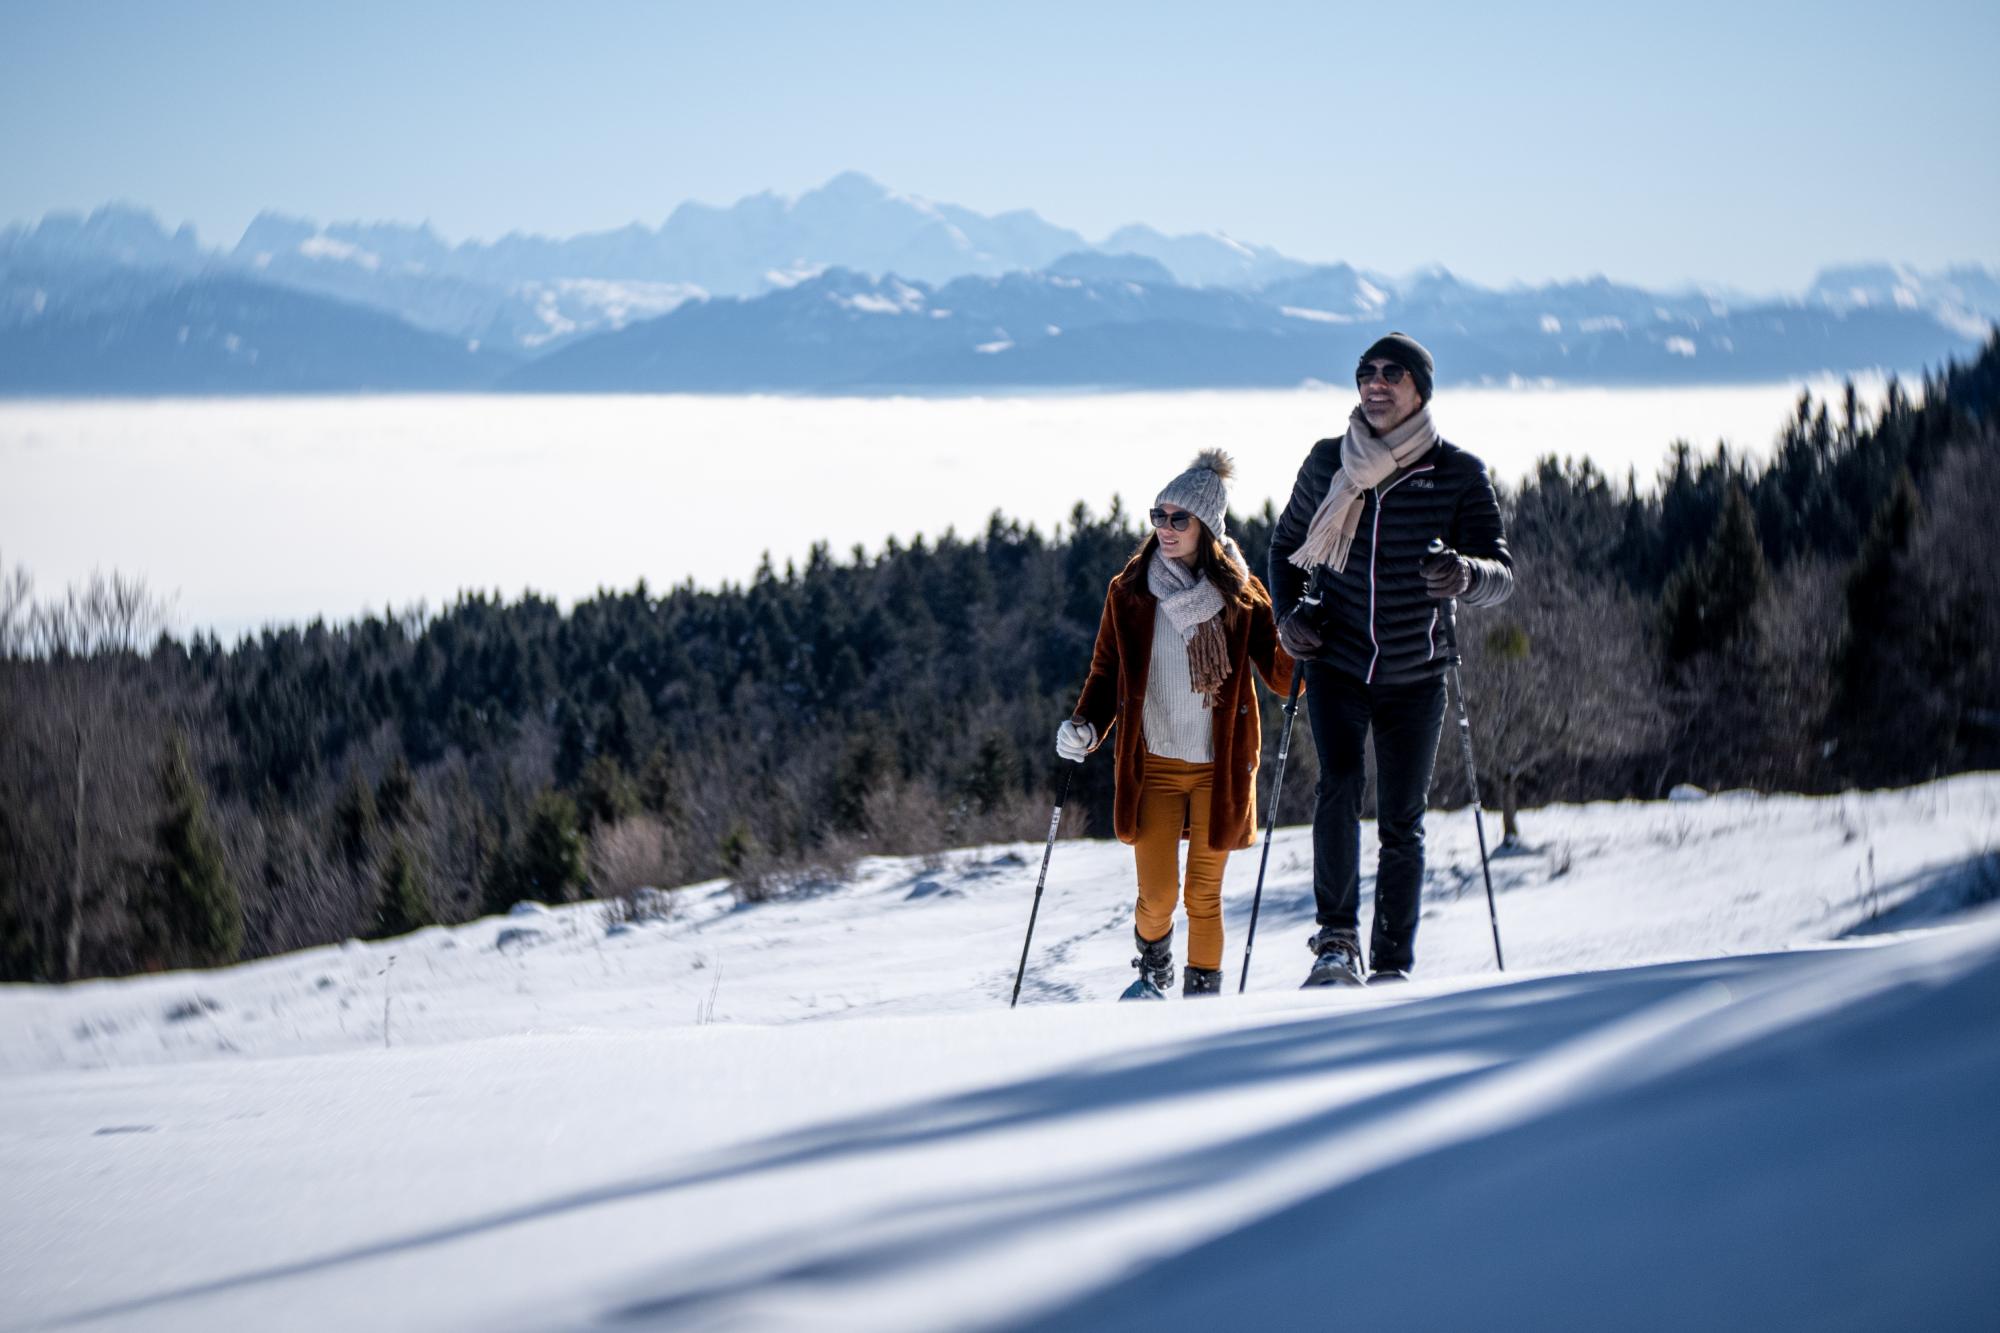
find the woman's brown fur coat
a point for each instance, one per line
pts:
(1115, 694)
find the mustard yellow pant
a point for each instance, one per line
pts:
(1175, 795)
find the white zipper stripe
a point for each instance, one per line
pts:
(1374, 547)
(1375, 550)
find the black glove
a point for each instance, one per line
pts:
(1446, 573)
(1298, 635)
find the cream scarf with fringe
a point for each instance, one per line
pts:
(1366, 461)
(1194, 607)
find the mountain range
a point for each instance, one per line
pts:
(853, 287)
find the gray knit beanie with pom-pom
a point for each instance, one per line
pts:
(1203, 490)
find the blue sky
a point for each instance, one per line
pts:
(1735, 143)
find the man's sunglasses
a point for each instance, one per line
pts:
(1177, 520)
(1390, 372)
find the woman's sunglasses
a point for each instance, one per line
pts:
(1178, 520)
(1390, 372)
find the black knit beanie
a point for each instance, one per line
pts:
(1406, 352)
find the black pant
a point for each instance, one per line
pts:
(1407, 720)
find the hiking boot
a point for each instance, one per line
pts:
(1201, 981)
(1382, 976)
(1337, 959)
(1156, 968)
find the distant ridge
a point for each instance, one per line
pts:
(797, 294)
(843, 332)
(222, 334)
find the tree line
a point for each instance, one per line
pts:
(1820, 619)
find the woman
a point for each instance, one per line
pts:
(1181, 622)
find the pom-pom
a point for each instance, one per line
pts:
(1216, 461)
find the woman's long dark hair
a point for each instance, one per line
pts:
(1230, 578)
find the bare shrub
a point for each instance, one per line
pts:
(753, 884)
(1017, 818)
(1799, 635)
(1556, 675)
(907, 819)
(297, 893)
(765, 876)
(17, 608)
(1075, 820)
(83, 716)
(915, 819)
(628, 864)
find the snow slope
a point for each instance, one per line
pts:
(1741, 1073)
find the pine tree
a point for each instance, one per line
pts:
(1709, 601)
(1871, 583)
(396, 794)
(494, 862)
(550, 865)
(196, 913)
(401, 905)
(738, 849)
(628, 732)
(995, 774)
(863, 766)
(17, 939)
(656, 784)
(355, 818)
(604, 794)
(572, 743)
(1875, 662)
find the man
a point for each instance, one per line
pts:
(1363, 515)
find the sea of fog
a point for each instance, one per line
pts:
(250, 511)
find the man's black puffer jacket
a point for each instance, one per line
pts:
(1376, 622)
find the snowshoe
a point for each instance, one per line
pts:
(1143, 989)
(1156, 968)
(1201, 981)
(1337, 960)
(1385, 976)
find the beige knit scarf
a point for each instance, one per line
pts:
(1194, 607)
(1366, 461)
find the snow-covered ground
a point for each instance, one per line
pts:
(1742, 1072)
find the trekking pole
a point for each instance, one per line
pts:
(1311, 598)
(1471, 770)
(1055, 820)
(1271, 820)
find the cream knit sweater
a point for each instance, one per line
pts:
(1177, 720)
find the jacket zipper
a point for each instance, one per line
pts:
(1374, 554)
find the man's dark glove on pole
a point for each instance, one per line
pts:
(1298, 636)
(1446, 574)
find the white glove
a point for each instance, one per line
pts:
(1074, 739)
